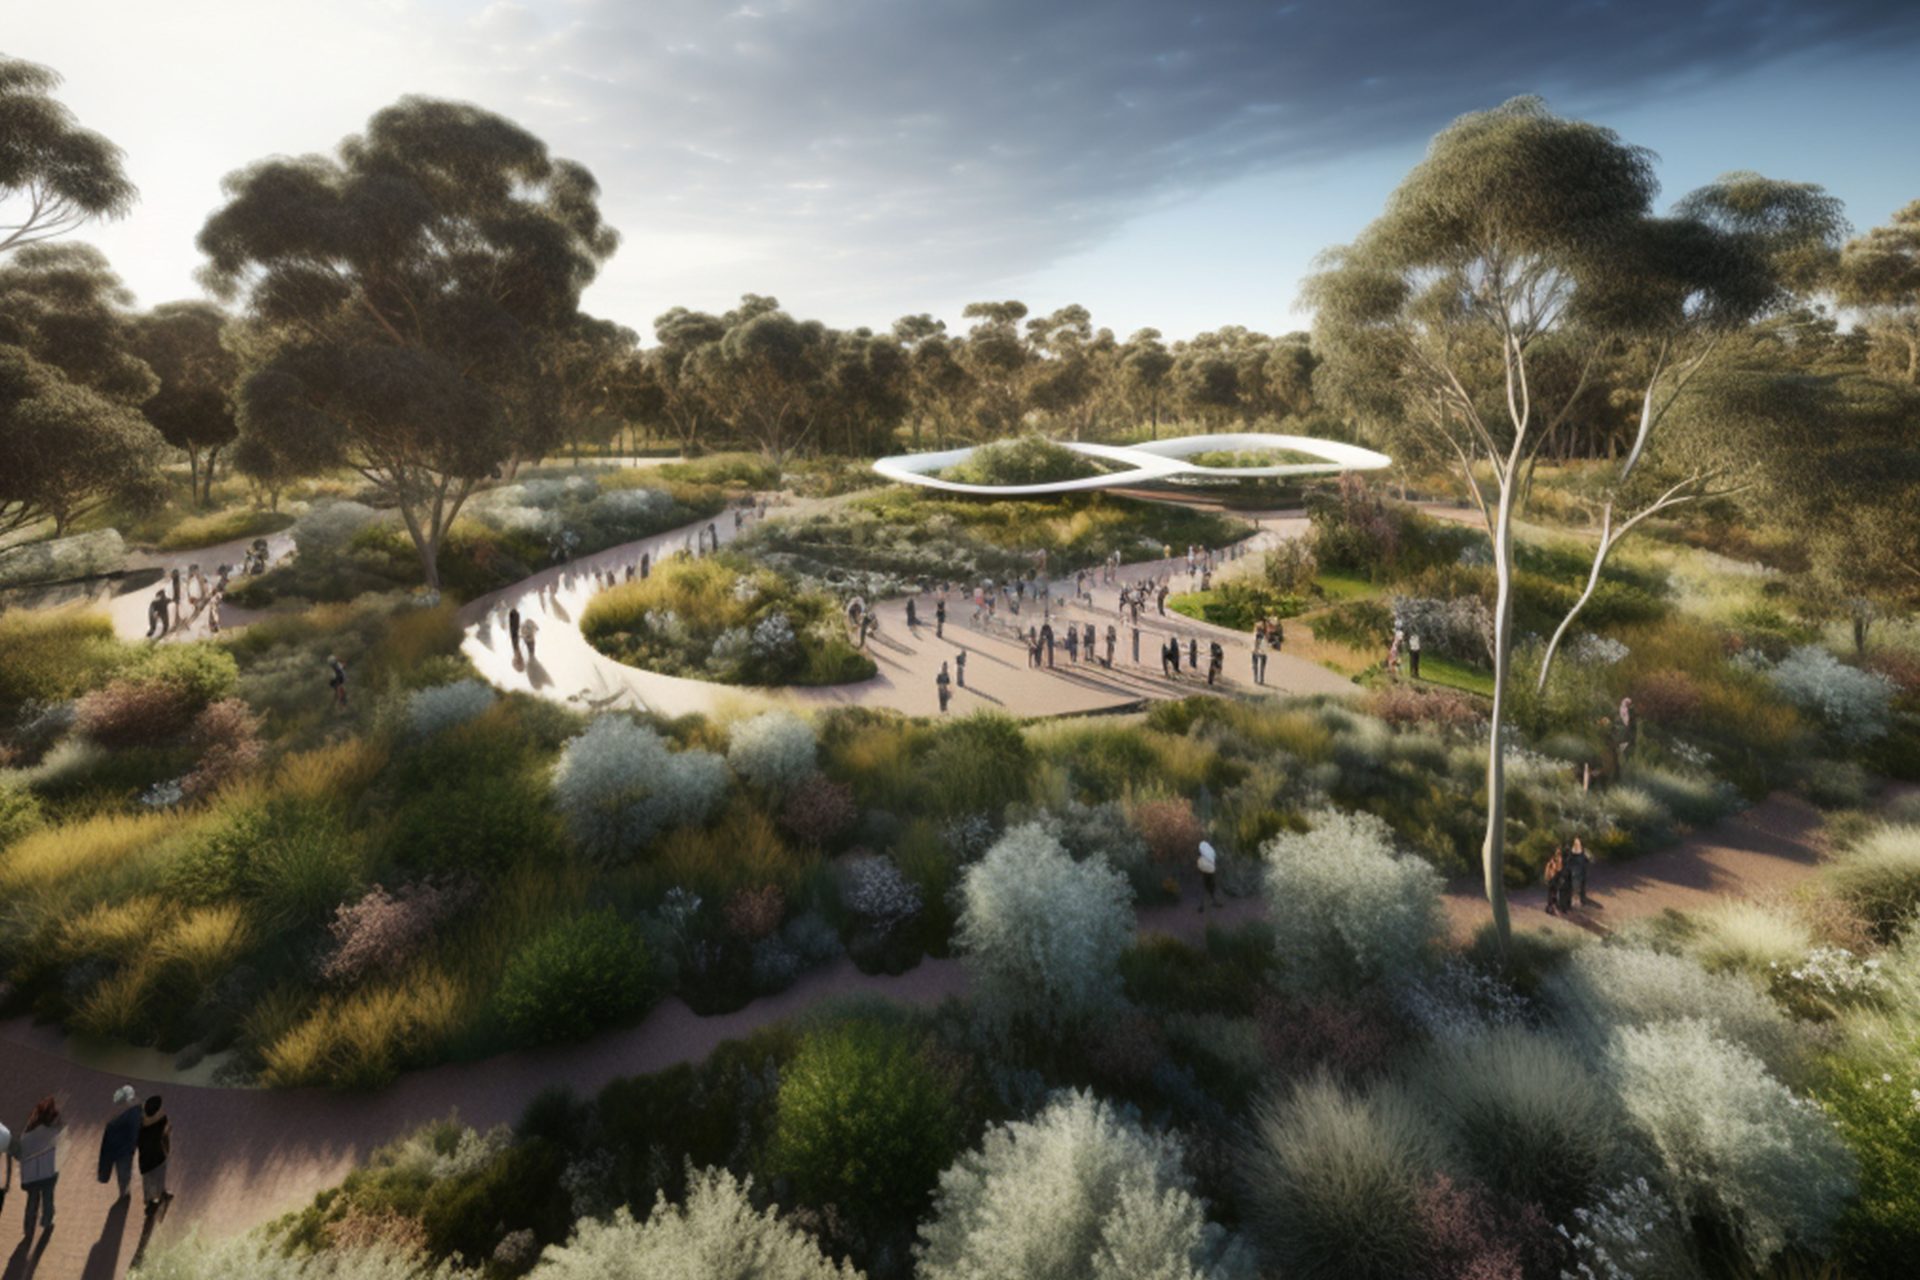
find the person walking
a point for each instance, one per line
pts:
(1260, 655)
(1393, 653)
(513, 628)
(154, 1146)
(178, 618)
(1276, 634)
(1577, 862)
(40, 1161)
(1413, 654)
(1113, 639)
(913, 617)
(1216, 658)
(939, 619)
(646, 564)
(1046, 638)
(1209, 865)
(528, 630)
(1629, 734)
(157, 621)
(1193, 653)
(120, 1139)
(960, 669)
(1553, 873)
(1073, 645)
(943, 686)
(1168, 656)
(337, 681)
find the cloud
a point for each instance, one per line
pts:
(935, 143)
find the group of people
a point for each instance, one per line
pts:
(137, 1134)
(1566, 877)
(1406, 641)
(1170, 658)
(1268, 637)
(184, 599)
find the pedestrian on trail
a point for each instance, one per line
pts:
(939, 619)
(1160, 599)
(1086, 640)
(1073, 645)
(1260, 655)
(646, 564)
(1193, 653)
(337, 681)
(1046, 638)
(1216, 657)
(157, 611)
(1276, 632)
(913, 618)
(154, 1146)
(1113, 638)
(1173, 654)
(40, 1161)
(1413, 654)
(629, 571)
(513, 628)
(960, 669)
(1033, 648)
(1554, 874)
(1393, 652)
(120, 1139)
(1209, 865)
(1577, 863)
(943, 686)
(528, 630)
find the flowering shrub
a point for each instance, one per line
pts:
(1854, 704)
(579, 976)
(819, 811)
(718, 1232)
(1344, 907)
(617, 786)
(775, 750)
(227, 736)
(752, 914)
(1602, 988)
(1458, 1000)
(1630, 1233)
(1402, 705)
(255, 1257)
(1041, 933)
(1595, 650)
(443, 706)
(1170, 829)
(1827, 980)
(133, 713)
(1736, 1144)
(1469, 1235)
(1334, 1180)
(1081, 1190)
(382, 931)
(873, 888)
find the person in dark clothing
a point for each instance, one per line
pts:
(120, 1139)
(1216, 656)
(176, 596)
(1554, 873)
(960, 669)
(337, 681)
(646, 564)
(1113, 638)
(154, 1145)
(513, 629)
(913, 616)
(1193, 652)
(1167, 659)
(943, 685)
(1073, 645)
(1046, 640)
(939, 619)
(1577, 862)
(158, 623)
(1173, 653)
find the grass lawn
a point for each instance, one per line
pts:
(1339, 586)
(1455, 675)
(223, 526)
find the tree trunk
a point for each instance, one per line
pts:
(1493, 850)
(212, 455)
(193, 477)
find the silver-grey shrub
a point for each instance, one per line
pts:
(717, 1235)
(442, 706)
(1333, 1180)
(775, 750)
(1735, 1143)
(1042, 934)
(1080, 1192)
(1345, 907)
(328, 528)
(1854, 704)
(261, 1257)
(617, 786)
(1600, 989)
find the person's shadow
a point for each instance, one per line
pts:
(103, 1261)
(26, 1255)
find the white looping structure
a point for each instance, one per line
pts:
(1156, 460)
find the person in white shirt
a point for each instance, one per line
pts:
(1413, 653)
(1209, 865)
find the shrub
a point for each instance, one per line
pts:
(1460, 628)
(864, 1121)
(226, 735)
(1880, 876)
(717, 1233)
(1402, 705)
(1529, 1115)
(1333, 1181)
(875, 891)
(1081, 1190)
(382, 932)
(1748, 937)
(618, 786)
(1350, 1040)
(1171, 830)
(1602, 989)
(819, 811)
(1667, 697)
(576, 978)
(775, 751)
(977, 764)
(1029, 459)
(20, 812)
(443, 706)
(328, 529)
(1854, 704)
(1471, 1235)
(257, 1257)
(1043, 934)
(1102, 830)
(134, 713)
(1735, 1143)
(753, 914)
(1344, 907)
(1631, 1230)
(51, 655)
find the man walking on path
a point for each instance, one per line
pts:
(1216, 658)
(1209, 865)
(1413, 654)
(913, 617)
(154, 1146)
(943, 686)
(528, 630)
(960, 669)
(157, 623)
(1259, 655)
(120, 1139)
(40, 1161)
(337, 681)
(1577, 862)
(1046, 638)
(939, 618)
(513, 628)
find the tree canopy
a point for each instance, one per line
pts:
(54, 175)
(182, 342)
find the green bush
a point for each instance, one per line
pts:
(223, 526)
(54, 655)
(576, 978)
(865, 1122)
(977, 764)
(1026, 460)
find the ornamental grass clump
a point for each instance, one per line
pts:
(1755, 940)
(1736, 1145)
(1080, 1192)
(618, 786)
(1880, 876)
(1041, 933)
(429, 711)
(717, 1232)
(1346, 909)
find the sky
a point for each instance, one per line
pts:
(1172, 163)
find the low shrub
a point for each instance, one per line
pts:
(1736, 1145)
(617, 786)
(1345, 908)
(865, 1121)
(440, 707)
(1170, 829)
(1027, 459)
(226, 737)
(1081, 1190)
(1880, 876)
(1600, 990)
(576, 978)
(819, 811)
(775, 751)
(382, 932)
(1333, 1181)
(1854, 704)
(258, 1257)
(223, 526)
